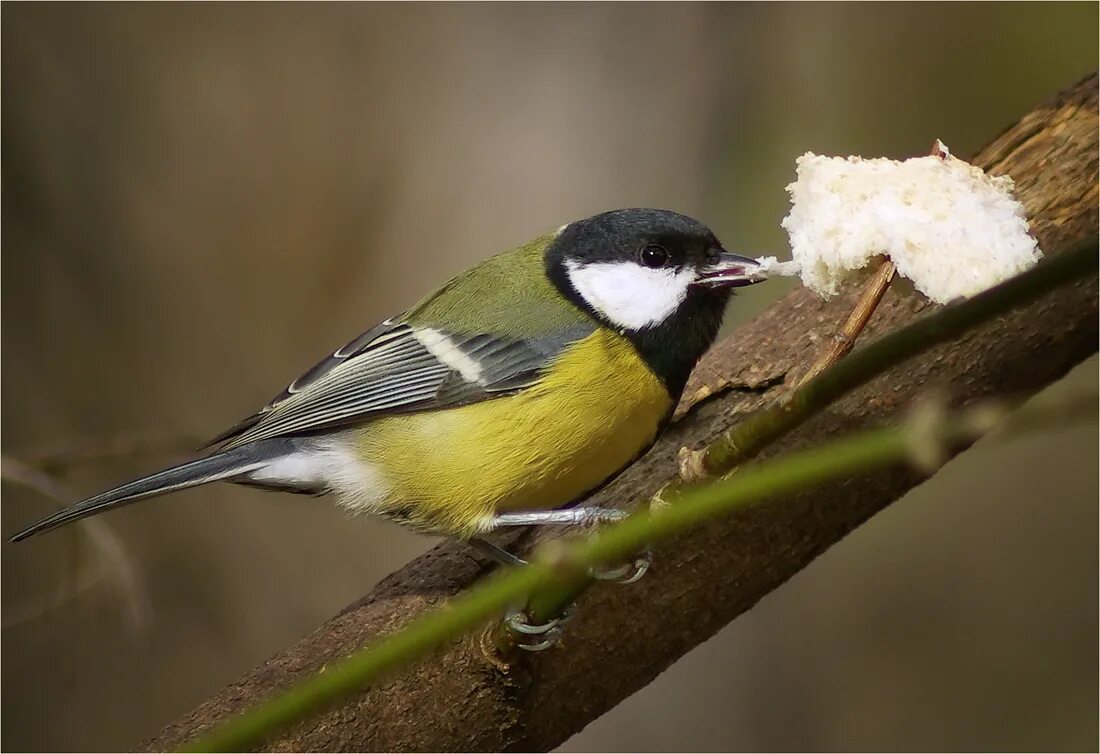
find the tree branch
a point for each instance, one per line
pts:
(922, 440)
(622, 638)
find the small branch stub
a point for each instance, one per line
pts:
(928, 449)
(692, 465)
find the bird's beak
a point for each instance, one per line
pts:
(730, 271)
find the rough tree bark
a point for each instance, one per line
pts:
(623, 637)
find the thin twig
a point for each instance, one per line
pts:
(843, 340)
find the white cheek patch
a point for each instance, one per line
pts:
(630, 296)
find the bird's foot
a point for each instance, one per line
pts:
(548, 633)
(627, 573)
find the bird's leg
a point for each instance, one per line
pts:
(515, 617)
(582, 516)
(627, 573)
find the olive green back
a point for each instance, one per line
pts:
(508, 294)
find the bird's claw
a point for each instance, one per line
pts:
(550, 631)
(550, 638)
(627, 573)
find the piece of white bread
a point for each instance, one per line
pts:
(950, 228)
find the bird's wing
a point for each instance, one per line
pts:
(399, 367)
(489, 331)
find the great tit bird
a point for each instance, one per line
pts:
(510, 392)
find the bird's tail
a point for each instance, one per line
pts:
(212, 468)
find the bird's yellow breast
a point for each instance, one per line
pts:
(595, 409)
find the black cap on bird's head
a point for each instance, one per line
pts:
(656, 239)
(661, 278)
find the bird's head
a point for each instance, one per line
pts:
(635, 269)
(660, 278)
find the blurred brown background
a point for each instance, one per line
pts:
(200, 200)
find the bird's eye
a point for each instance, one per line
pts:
(653, 255)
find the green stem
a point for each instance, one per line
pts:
(859, 453)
